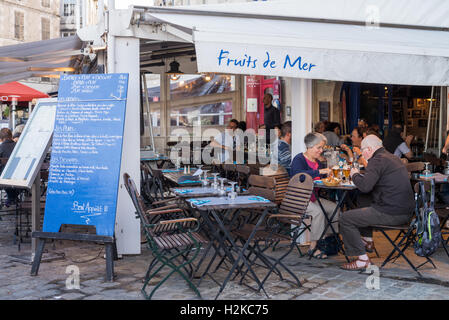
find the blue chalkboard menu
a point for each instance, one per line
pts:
(86, 152)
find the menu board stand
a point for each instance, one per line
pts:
(108, 242)
(85, 162)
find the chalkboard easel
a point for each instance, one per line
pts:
(85, 162)
(109, 242)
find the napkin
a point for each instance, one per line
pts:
(183, 190)
(171, 170)
(198, 202)
(189, 181)
(259, 198)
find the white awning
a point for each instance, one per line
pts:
(388, 41)
(38, 58)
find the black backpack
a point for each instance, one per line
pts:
(427, 223)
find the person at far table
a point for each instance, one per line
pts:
(332, 134)
(6, 147)
(308, 162)
(271, 116)
(284, 156)
(395, 143)
(387, 179)
(226, 141)
(320, 127)
(354, 153)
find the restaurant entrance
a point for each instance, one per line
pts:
(416, 108)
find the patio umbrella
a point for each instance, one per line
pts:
(23, 92)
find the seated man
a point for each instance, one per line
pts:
(283, 145)
(387, 179)
(396, 144)
(226, 141)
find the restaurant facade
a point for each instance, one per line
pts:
(333, 60)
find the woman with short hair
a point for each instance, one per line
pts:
(308, 162)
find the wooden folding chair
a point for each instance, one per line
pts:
(177, 251)
(285, 225)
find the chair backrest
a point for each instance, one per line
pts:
(276, 184)
(297, 196)
(135, 197)
(415, 166)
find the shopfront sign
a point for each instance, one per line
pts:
(86, 152)
(315, 63)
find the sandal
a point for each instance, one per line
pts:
(352, 266)
(320, 256)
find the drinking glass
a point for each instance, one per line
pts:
(222, 190)
(346, 172)
(215, 184)
(205, 182)
(232, 195)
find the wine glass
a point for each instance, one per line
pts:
(232, 195)
(426, 172)
(215, 184)
(222, 190)
(205, 182)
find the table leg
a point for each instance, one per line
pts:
(330, 221)
(241, 252)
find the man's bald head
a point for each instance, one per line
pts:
(371, 141)
(370, 144)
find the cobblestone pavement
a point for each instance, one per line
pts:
(321, 279)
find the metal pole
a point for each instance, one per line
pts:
(35, 210)
(147, 103)
(440, 123)
(428, 121)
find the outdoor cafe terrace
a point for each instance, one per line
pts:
(221, 267)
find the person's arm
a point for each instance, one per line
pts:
(366, 182)
(446, 145)
(405, 150)
(348, 151)
(299, 166)
(408, 153)
(361, 160)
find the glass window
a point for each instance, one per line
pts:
(154, 87)
(45, 27)
(69, 9)
(18, 25)
(199, 85)
(45, 3)
(214, 114)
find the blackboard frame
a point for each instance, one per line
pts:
(31, 176)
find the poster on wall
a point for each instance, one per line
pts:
(324, 110)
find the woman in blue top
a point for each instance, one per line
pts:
(308, 162)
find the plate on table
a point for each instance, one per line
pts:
(331, 181)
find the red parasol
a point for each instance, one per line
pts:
(23, 92)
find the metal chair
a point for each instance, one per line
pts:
(243, 173)
(406, 236)
(177, 251)
(286, 225)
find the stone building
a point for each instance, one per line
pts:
(28, 20)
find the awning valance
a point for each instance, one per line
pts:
(403, 42)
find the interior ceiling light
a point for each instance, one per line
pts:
(174, 71)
